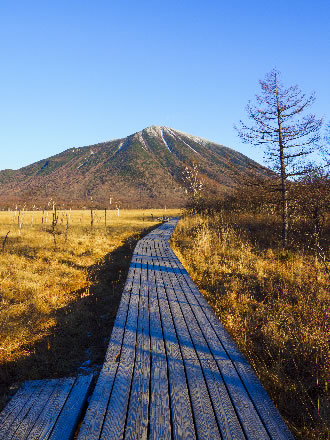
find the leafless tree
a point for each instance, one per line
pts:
(193, 186)
(279, 125)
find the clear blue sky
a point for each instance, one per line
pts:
(77, 72)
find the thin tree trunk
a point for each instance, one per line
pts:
(285, 221)
(285, 224)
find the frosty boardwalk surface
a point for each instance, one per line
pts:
(45, 409)
(171, 370)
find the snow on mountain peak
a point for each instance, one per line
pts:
(159, 132)
(196, 139)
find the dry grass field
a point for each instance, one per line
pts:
(58, 303)
(275, 305)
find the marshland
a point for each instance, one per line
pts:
(61, 277)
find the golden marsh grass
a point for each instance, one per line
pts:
(274, 304)
(57, 307)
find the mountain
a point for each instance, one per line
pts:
(142, 170)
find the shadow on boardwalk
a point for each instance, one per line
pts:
(81, 336)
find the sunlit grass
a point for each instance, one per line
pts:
(37, 281)
(275, 305)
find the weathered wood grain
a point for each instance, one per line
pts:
(181, 411)
(94, 417)
(29, 420)
(138, 411)
(205, 421)
(223, 408)
(251, 423)
(160, 418)
(47, 418)
(68, 420)
(114, 422)
(267, 410)
(18, 407)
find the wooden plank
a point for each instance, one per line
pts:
(68, 420)
(18, 407)
(137, 415)
(47, 418)
(160, 418)
(114, 422)
(16, 403)
(267, 410)
(192, 370)
(29, 420)
(181, 411)
(224, 410)
(94, 418)
(250, 420)
(205, 421)
(93, 421)
(115, 345)
(138, 411)
(228, 421)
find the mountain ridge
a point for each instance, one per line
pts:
(143, 169)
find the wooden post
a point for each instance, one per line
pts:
(20, 221)
(66, 228)
(92, 218)
(54, 216)
(105, 217)
(54, 224)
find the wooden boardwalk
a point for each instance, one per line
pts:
(171, 370)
